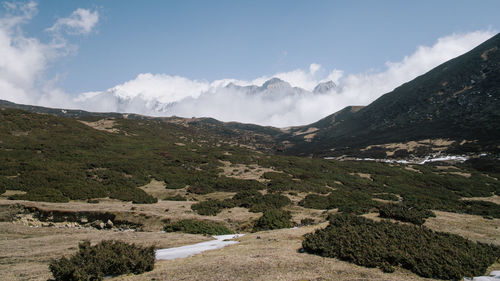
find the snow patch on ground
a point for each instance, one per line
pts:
(427, 159)
(190, 250)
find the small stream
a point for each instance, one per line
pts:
(189, 250)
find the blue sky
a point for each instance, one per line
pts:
(246, 39)
(176, 57)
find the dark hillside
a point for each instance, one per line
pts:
(458, 100)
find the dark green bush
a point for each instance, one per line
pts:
(42, 194)
(200, 189)
(347, 201)
(273, 219)
(108, 258)
(209, 207)
(136, 195)
(269, 201)
(386, 196)
(256, 202)
(405, 213)
(197, 227)
(177, 197)
(235, 185)
(383, 244)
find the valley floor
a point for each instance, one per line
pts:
(269, 255)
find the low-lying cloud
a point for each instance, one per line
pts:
(24, 60)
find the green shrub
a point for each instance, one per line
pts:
(425, 252)
(177, 197)
(386, 196)
(200, 189)
(256, 202)
(273, 219)
(108, 258)
(197, 227)
(212, 207)
(269, 201)
(235, 185)
(42, 194)
(136, 195)
(347, 201)
(405, 213)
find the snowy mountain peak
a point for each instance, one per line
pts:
(276, 84)
(324, 87)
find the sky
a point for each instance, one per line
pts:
(167, 58)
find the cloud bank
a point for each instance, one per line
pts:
(23, 59)
(294, 102)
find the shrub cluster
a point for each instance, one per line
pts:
(197, 227)
(235, 185)
(212, 207)
(256, 202)
(385, 244)
(273, 219)
(177, 197)
(386, 196)
(405, 213)
(46, 194)
(104, 259)
(347, 201)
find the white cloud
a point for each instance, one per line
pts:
(24, 60)
(81, 21)
(172, 95)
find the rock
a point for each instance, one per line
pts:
(84, 220)
(98, 224)
(109, 224)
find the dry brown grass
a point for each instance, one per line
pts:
(269, 255)
(246, 172)
(26, 251)
(156, 189)
(473, 227)
(495, 199)
(105, 125)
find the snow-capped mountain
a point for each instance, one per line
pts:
(163, 100)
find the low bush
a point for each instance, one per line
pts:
(273, 219)
(212, 207)
(405, 213)
(197, 227)
(256, 202)
(235, 185)
(386, 196)
(108, 258)
(347, 201)
(200, 189)
(42, 194)
(384, 244)
(177, 197)
(269, 201)
(136, 195)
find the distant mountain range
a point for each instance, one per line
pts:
(454, 108)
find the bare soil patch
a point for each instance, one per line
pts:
(246, 172)
(105, 125)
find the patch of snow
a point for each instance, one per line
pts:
(190, 250)
(445, 158)
(427, 159)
